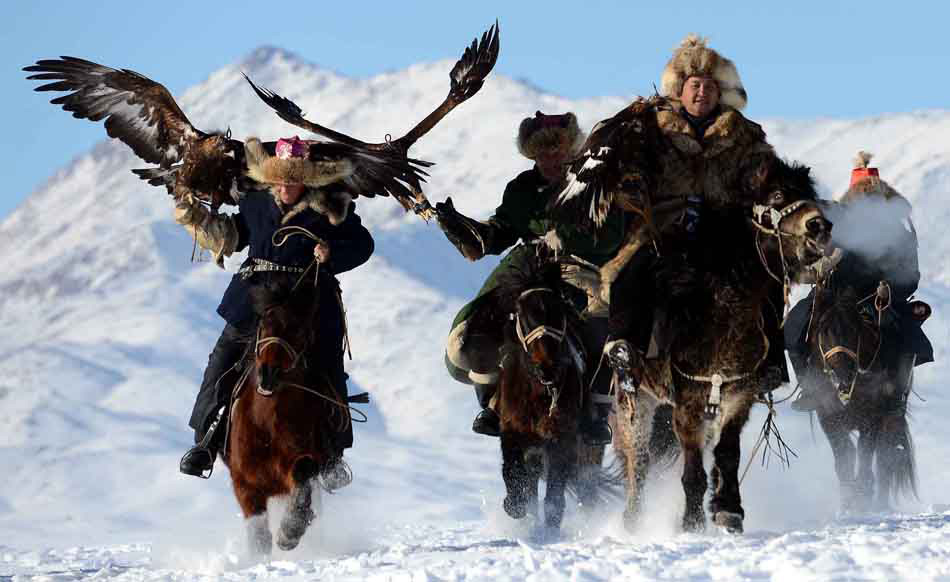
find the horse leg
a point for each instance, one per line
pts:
(689, 430)
(515, 474)
(254, 505)
(896, 471)
(864, 484)
(635, 421)
(299, 513)
(534, 467)
(562, 457)
(587, 477)
(726, 502)
(834, 425)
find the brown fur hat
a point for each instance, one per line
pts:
(692, 58)
(867, 183)
(544, 132)
(267, 169)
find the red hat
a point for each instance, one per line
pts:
(861, 170)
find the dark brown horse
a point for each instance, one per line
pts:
(284, 414)
(541, 393)
(862, 380)
(720, 358)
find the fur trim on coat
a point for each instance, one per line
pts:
(692, 58)
(334, 205)
(267, 169)
(545, 132)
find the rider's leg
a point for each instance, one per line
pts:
(471, 357)
(630, 322)
(595, 427)
(212, 398)
(795, 334)
(487, 421)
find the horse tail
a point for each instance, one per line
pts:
(895, 457)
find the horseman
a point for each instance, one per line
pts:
(337, 249)
(874, 230)
(690, 151)
(472, 355)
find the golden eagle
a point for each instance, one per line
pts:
(143, 114)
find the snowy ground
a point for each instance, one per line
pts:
(897, 547)
(105, 327)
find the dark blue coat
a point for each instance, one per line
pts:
(258, 218)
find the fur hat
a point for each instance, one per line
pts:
(544, 132)
(292, 168)
(866, 182)
(692, 58)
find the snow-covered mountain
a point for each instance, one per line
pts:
(105, 325)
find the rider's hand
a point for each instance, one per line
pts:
(321, 252)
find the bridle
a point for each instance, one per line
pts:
(776, 216)
(882, 302)
(540, 331)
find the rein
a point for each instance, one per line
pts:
(882, 302)
(776, 217)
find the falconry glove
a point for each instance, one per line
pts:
(471, 237)
(212, 231)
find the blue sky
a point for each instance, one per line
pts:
(797, 59)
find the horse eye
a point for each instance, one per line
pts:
(777, 197)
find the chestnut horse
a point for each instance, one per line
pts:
(541, 392)
(283, 413)
(863, 379)
(720, 358)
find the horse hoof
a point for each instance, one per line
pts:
(731, 522)
(286, 544)
(696, 524)
(515, 508)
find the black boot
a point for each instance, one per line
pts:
(596, 431)
(199, 459)
(620, 357)
(487, 421)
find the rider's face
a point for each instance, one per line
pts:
(289, 193)
(552, 163)
(700, 96)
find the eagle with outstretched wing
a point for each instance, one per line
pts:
(596, 177)
(142, 114)
(466, 78)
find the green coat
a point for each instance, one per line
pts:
(523, 216)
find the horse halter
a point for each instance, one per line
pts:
(263, 343)
(541, 330)
(775, 218)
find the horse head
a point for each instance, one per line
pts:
(539, 316)
(286, 313)
(793, 232)
(845, 338)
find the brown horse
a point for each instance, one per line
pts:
(541, 393)
(863, 380)
(720, 359)
(284, 414)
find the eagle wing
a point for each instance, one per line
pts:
(136, 109)
(374, 172)
(607, 160)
